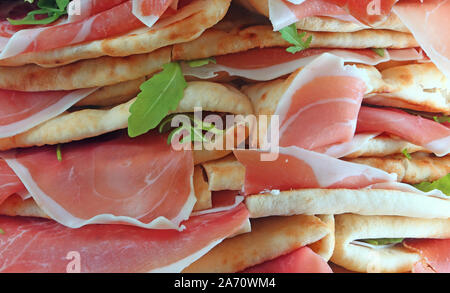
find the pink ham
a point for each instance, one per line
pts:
(425, 21)
(286, 12)
(113, 179)
(32, 245)
(123, 17)
(302, 260)
(296, 168)
(415, 129)
(21, 111)
(270, 63)
(115, 21)
(149, 11)
(9, 182)
(87, 8)
(435, 254)
(312, 115)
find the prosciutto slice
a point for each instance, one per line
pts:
(119, 19)
(415, 129)
(434, 252)
(43, 246)
(425, 21)
(112, 179)
(9, 182)
(296, 168)
(149, 11)
(312, 115)
(85, 8)
(270, 63)
(21, 111)
(302, 260)
(286, 12)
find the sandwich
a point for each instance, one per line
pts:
(117, 153)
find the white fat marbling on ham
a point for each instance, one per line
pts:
(127, 186)
(429, 23)
(21, 111)
(112, 248)
(297, 168)
(312, 115)
(149, 11)
(367, 57)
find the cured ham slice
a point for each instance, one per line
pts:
(302, 260)
(42, 246)
(115, 21)
(9, 182)
(86, 8)
(271, 63)
(415, 129)
(312, 115)
(286, 12)
(435, 253)
(21, 111)
(425, 21)
(296, 168)
(149, 11)
(95, 23)
(112, 179)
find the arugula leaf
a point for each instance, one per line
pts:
(383, 241)
(442, 184)
(196, 130)
(53, 9)
(380, 51)
(441, 119)
(159, 95)
(58, 152)
(201, 62)
(2, 232)
(291, 35)
(407, 154)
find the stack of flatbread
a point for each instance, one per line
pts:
(342, 160)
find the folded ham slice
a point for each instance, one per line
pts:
(302, 260)
(98, 21)
(434, 252)
(415, 129)
(286, 12)
(425, 21)
(86, 8)
(270, 63)
(312, 115)
(9, 182)
(21, 111)
(112, 179)
(43, 246)
(296, 168)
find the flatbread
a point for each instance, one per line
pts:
(98, 72)
(396, 259)
(78, 125)
(202, 192)
(326, 24)
(225, 174)
(198, 16)
(421, 167)
(112, 95)
(269, 239)
(325, 246)
(367, 202)
(419, 87)
(241, 39)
